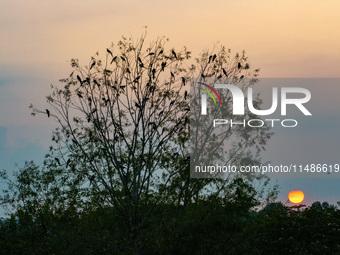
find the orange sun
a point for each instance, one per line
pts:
(296, 196)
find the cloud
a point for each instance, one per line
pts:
(3, 82)
(12, 155)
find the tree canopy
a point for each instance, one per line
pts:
(117, 180)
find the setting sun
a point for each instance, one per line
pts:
(296, 196)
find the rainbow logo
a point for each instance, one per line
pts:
(213, 90)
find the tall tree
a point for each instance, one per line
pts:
(123, 135)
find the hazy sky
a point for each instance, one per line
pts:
(37, 39)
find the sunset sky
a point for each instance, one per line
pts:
(298, 39)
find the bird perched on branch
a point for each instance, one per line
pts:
(174, 53)
(93, 64)
(108, 51)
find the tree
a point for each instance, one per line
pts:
(122, 140)
(280, 229)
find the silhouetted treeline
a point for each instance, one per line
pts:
(211, 226)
